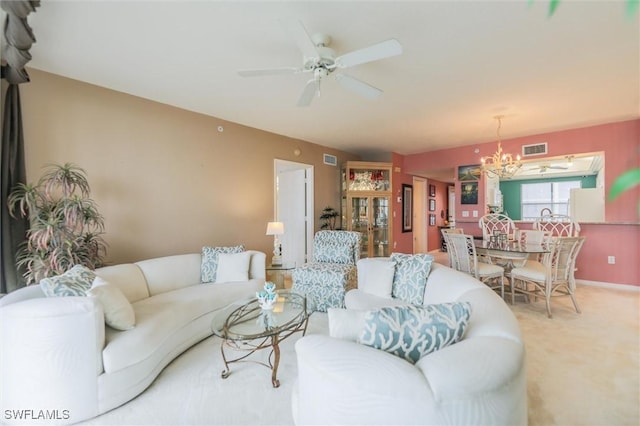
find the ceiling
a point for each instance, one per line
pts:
(462, 64)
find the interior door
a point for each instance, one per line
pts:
(294, 201)
(420, 235)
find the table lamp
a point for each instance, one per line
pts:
(275, 229)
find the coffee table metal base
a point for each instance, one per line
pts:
(272, 342)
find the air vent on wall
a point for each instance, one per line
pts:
(329, 159)
(535, 149)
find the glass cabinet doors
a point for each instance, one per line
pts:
(366, 202)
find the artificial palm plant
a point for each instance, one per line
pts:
(65, 226)
(328, 218)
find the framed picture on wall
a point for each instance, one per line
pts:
(466, 173)
(432, 205)
(432, 220)
(469, 192)
(432, 190)
(407, 208)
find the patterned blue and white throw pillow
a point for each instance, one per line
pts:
(410, 277)
(412, 332)
(209, 265)
(75, 282)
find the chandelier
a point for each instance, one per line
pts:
(500, 164)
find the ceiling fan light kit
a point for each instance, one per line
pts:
(321, 60)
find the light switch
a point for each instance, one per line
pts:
(465, 213)
(475, 213)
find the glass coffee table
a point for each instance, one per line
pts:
(245, 326)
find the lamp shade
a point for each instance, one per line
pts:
(275, 228)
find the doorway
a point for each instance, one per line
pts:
(294, 208)
(451, 205)
(420, 239)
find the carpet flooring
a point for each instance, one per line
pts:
(582, 369)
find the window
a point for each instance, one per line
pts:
(546, 195)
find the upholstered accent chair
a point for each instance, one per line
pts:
(332, 272)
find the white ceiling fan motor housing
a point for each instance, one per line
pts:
(326, 58)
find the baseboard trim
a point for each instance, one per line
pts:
(611, 286)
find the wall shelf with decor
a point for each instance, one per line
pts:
(366, 205)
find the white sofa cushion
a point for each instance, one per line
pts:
(157, 319)
(74, 282)
(118, 312)
(128, 277)
(346, 324)
(209, 261)
(233, 267)
(375, 276)
(169, 273)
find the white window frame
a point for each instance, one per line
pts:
(558, 206)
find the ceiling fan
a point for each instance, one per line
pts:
(320, 61)
(546, 167)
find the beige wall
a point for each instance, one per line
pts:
(166, 181)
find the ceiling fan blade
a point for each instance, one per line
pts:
(385, 49)
(299, 34)
(269, 71)
(308, 93)
(358, 86)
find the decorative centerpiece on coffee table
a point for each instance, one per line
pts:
(268, 296)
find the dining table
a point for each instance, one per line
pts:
(509, 253)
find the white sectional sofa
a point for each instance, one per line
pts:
(59, 363)
(480, 380)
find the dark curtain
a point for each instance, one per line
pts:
(13, 172)
(17, 38)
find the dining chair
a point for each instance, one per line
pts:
(559, 225)
(553, 276)
(446, 231)
(462, 251)
(492, 222)
(532, 237)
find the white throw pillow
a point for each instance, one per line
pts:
(233, 267)
(376, 276)
(118, 312)
(346, 324)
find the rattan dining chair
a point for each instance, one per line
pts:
(490, 223)
(559, 225)
(446, 231)
(553, 276)
(462, 251)
(533, 237)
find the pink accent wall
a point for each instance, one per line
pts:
(619, 141)
(619, 237)
(403, 241)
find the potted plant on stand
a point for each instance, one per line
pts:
(328, 218)
(65, 228)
